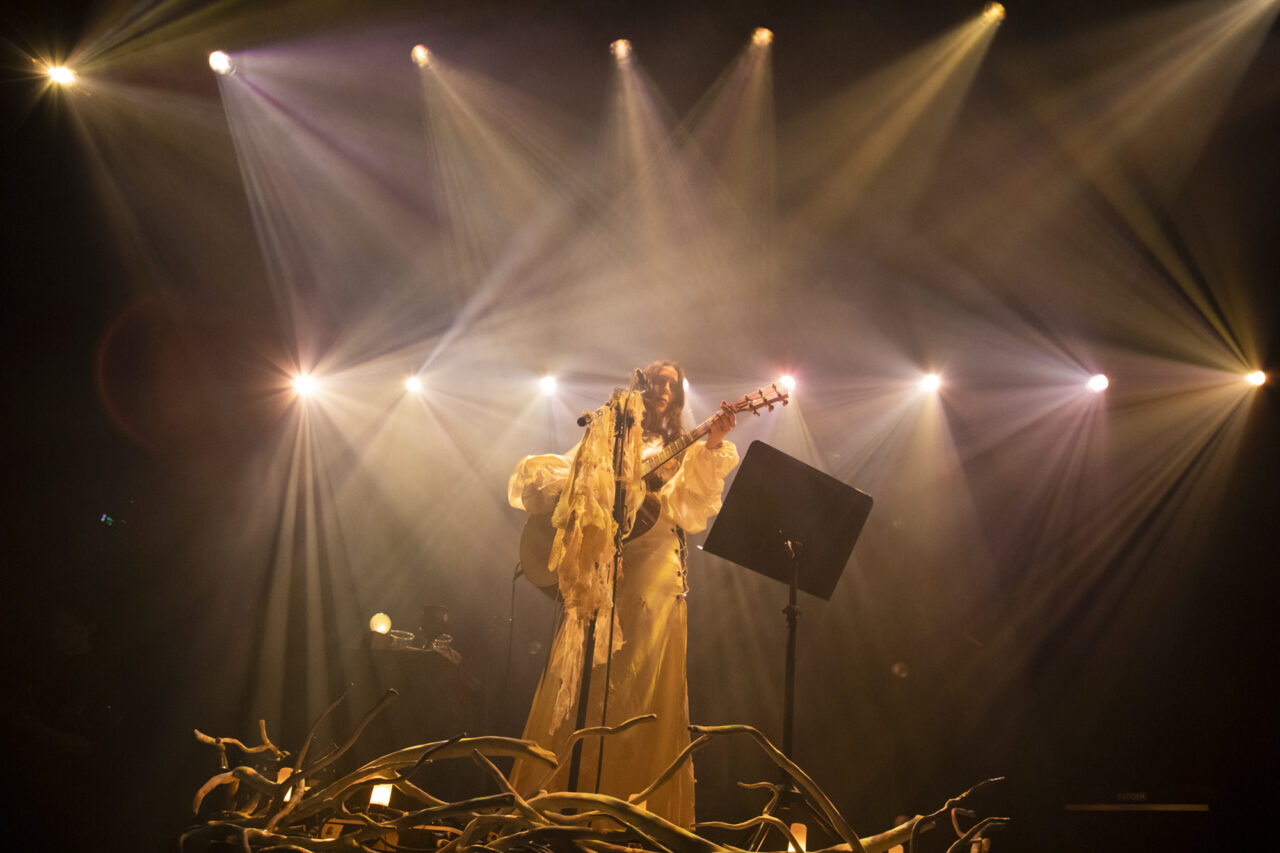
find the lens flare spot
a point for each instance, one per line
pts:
(1098, 383)
(421, 56)
(547, 384)
(930, 382)
(1256, 378)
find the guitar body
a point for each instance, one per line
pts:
(535, 551)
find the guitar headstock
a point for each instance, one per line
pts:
(763, 398)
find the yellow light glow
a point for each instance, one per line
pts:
(547, 384)
(1097, 383)
(413, 384)
(380, 795)
(993, 12)
(61, 74)
(789, 382)
(421, 56)
(621, 50)
(305, 384)
(380, 623)
(931, 382)
(221, 63)
(1256, 378)
(801, 833)
(762, 37)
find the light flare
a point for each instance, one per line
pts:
(305, 384)
(421, 55)
(1256, 378)
(61, 74)
(621, 50)
(1098, 383)
(930, 382)
(221, 62)
(762, 37)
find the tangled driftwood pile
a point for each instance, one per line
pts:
(299, 811)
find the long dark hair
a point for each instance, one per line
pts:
(671, 425)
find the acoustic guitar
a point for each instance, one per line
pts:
(539, 534)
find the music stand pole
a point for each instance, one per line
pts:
(793, 618)
(778, 512)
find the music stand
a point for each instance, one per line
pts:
(791, 522)
(781, 515)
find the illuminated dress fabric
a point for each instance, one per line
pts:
(648, 668)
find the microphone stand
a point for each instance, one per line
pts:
(621, 424)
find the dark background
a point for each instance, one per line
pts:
(1188, 717)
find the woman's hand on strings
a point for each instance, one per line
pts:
(721, 424)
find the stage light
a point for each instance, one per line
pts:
(305, 383)
(993, 12)
(788, 382)
(547, 384)
(931, 382)
(684, 383)
(61, 74)
(1097, 383)
(380, 795)
(621, 50)
(421, 56)
(1256, 378)
(380, 623)
(221, 63)
(413, 384)
(762, 37)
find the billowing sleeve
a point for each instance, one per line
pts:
(537, 482)
(696, 491)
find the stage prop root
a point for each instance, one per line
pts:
(289, 806)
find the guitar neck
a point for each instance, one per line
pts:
(675, 448)
(752, 402)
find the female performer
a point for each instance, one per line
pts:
(647, 671)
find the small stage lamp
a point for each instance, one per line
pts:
(547, 384)
(421, 56)
(931, 382)
(762, 37)
(61, 74)
(413, 384)
(1098, 383)
(380, 795)
(993, 12)
(221, 63)
(1256, 378)
(305, 384)
(621, 50)
(789, 382)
